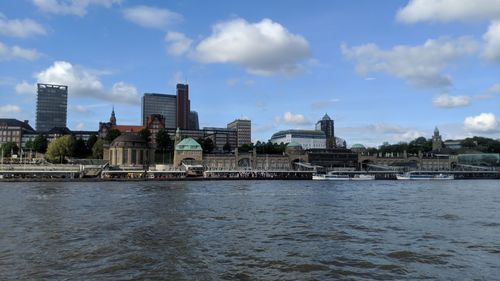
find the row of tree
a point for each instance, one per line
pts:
(469, 145)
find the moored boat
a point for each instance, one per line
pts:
(413, 176)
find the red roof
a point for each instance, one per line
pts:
(128, 128)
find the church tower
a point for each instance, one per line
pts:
(112, 119)
(437, 141)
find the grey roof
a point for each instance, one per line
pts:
(326, 117)
(129, 138)
(11, 122)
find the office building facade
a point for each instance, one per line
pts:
(51, 107)
(165, 105)
(13, 130)
(183, 106)
(308, 139)
(193, 123)
(243, 130)
(326, 125)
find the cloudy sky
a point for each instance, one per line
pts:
(384, 70)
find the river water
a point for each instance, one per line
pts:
(250, 230)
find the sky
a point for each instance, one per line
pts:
(385, 71)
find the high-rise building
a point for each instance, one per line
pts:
(183, 106)
(243, 129)
(326, 125)
(51, 107)
(193, 122)
(165, 105)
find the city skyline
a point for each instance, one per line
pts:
(283, 67)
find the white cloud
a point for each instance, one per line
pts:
(448, 10)
(290, 118)
(80, 126)
(494, 89)
(484, 122)
(151, 16)
(419, 66)
(20, 28)
(26, 88)
(9, 109)
(16, 52)
(375, 134)
(491, 38)
(177, 43)
(71, 7)
(262, 48)
(82, 82)
(447, 101)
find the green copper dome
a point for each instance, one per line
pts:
(358, 145)
(188, 144)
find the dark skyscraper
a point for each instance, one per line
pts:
(193, 123)
(326, 125)
(51, 107)
(183, 106)
(165, 105)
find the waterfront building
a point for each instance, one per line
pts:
(194, 123)
(337, 158)
(437, 141)
(326, 125)
(51, 106)
(243, 129)
(479, 160)
(162, 104)
(453, 144)
(128, 150)
(308, 139)
(395, 161)
(221, 136)
(358, 148)
(183, 106)
(187, 151)
(154, 124)
(13, 130)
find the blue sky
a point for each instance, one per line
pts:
(383, 70)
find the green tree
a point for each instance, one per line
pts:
(207, 145)
(145, 134)
(97, 149)
(91, 141)
(40, 143)
(29, 144)
(81, 150)
(112, 134)
(163, 142)
(60, 148)
(227, 147)
(9, 148)
(245, 148)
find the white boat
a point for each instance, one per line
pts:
(339, 177)
(412, 176)
(363, 177)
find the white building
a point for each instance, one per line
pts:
(309, 139)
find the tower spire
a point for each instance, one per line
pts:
(112, 119)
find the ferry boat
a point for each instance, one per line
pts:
(339, 177)
(412, 176)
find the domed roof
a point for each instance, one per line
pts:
(358, 145)
(129, 139)
(294, 144)
(188, 144)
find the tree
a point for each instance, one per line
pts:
(60, 148)
(227, 147)
(29, 144)
(163, 142)
(112, 134)
(97, 149)
(40, 143)
(246, 148)
(207, 145)
(9, 148)
(81, 150)
(91, 141)
(145, 134)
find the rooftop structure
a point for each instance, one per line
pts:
(308, 139)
